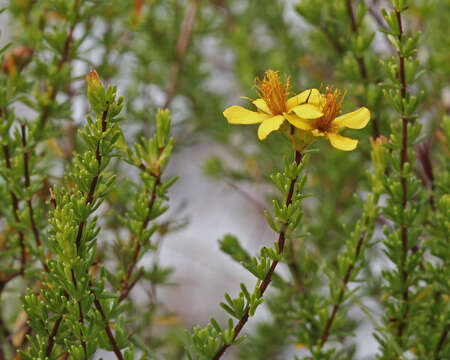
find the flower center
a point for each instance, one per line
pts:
(273, 91)
(332, 104)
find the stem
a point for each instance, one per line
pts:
(180, 51)
(109, 333)
(51, 337)
(348, 273)
(126, 287)
(333, 41)
(90, 196)
(81, 316)
(15, 204)
(268, 278)
(403, 160)
(441, 342)
(62, 61)
(361, 63)
(4, 335)
(26, 158)
(246, 195)
(89, 199)
(375, 13)
(295, 270)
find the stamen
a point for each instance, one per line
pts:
(274, 93)
(333, 103)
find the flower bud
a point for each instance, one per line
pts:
(93, 80)
(96, 92)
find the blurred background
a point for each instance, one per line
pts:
(197, 57)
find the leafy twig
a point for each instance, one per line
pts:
(180, 51)
(109, 333)
(51, 337)
(348, 273)
(441, 342)
(268, 278)
(361, 63)
(62, 61)
(15, 204)
(26, 157)
(403, 160)
(126, 287)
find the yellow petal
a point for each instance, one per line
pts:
(307, 111)
(312, 95)
(341, 142)
(269, 125)
(240, 115)
(354, 120)
(261, 105)
(299, 123)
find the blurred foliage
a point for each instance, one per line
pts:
(196, 57)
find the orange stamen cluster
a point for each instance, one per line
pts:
(333, 101)
(273, 91)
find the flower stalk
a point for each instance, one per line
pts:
(267, 279)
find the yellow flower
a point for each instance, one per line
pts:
(328, 125)
(274, 106)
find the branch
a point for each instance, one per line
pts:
(333, 41)
(51, 337)
(246, 195)
(373, 10)
(26, 157)
(295, 271)
(90, 195)
(441, 342)
(126, 287)
(109, 333)
(377, 17)
(62, 61)
(89, 199)
(15, 204)
(180, 51)
(348, 273)
(268, 278)
(361, 63)
(403, 160)
(81, 317)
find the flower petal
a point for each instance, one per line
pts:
(341, 142)
(240, 115)
(312, 95)
(261, 105)
(269, 125)
(299, 123)
(355, 120)
(307, 111)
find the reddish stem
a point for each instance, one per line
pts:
(268, 277)
(403, 161)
